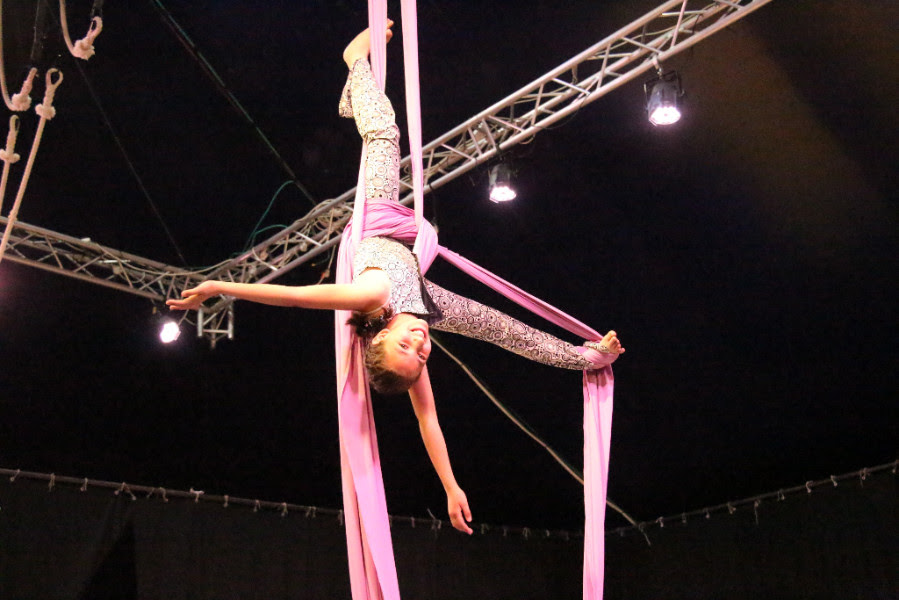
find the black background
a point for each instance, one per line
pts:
(747, 256)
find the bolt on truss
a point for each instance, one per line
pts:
(619, 58)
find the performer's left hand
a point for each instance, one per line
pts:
(192, 299)
(459, 513)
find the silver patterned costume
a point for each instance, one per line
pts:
(375, 120)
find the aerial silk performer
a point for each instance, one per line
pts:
(384, 309)
(368, 537)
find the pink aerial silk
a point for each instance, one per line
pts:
(369, 546)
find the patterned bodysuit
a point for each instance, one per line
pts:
(375, 120)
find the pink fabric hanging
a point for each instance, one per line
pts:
(369, 546)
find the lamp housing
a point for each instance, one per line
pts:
(662, 97)
(500, 185)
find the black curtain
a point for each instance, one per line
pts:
(60, 543)
(839, 542)
(836, 542)
(69, 544)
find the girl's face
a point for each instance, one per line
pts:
(407, 345)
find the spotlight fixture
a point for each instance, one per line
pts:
(167, 328)
(501, 183)
(662, 95)
(169, 331)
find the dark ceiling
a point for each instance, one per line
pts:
(747, 256)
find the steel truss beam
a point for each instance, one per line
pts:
(621, 57)
(89, 261)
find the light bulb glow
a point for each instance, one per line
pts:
(500, 184)
(664, 115)
(169, 332)
(662, 99)
(502, 193)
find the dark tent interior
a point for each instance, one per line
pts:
(748, 257)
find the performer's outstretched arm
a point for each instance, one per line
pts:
(367, 292)
(432, 435)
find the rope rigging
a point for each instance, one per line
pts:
(46, 112)
(21, 101)
(83, 48)
(8, 155)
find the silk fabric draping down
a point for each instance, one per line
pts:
(369, 546)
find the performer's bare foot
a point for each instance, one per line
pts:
(609, 344)
(361, 46)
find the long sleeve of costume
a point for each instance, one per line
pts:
(475, 320)
(376, 122)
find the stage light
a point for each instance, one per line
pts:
(662, 94)
(501, 183)
(169, 331)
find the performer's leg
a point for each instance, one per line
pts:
(360, 47)
(375, 120)
(475, 320)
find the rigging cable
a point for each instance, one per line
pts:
(131, 167)
(519, 422)
(40, 31)
(213, 75)
(121, 147)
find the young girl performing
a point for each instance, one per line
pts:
(393, 306)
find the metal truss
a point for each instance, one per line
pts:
(612, 62)
(89, 261)
(619, 58)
